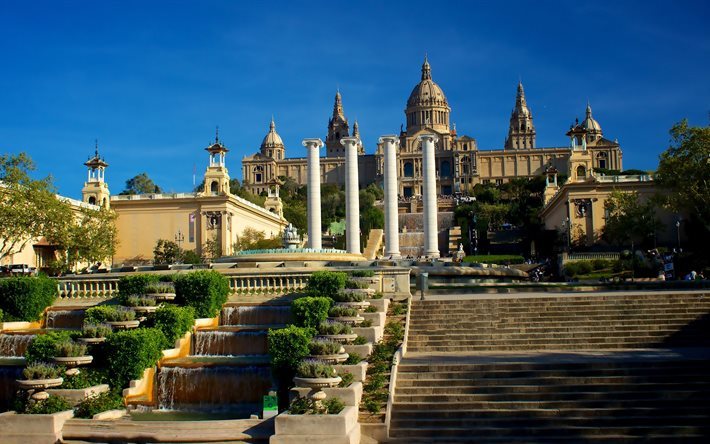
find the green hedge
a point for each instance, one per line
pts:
(135, 284)
(288, 346)
(326, 283)
(128, 353)
(498, 259)
(26, 298)
(173, 321)
(44, 347)
(102, 402)
(310, 311)
(107, 313)
(205, 291)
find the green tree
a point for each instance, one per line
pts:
(253, 239)
(684, 170)
(141, 184)
(212, 248)
(29, 208)
(92, 237)
(167, 252)
(628, 219)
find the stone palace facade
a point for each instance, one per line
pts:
(460, 165)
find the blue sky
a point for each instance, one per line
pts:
(151, 80)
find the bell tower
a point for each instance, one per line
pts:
(95, 191)
(521, 132)
(216, 175)
(338, 128)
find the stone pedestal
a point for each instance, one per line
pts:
(431, 235)
(352, 195)
(314, 215)
(390, 144)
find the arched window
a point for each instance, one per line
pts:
(581, 172)
(214, 186)
(445, 169)
(408, 169)
(103, 202)
(92, 200)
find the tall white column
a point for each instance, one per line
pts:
(391, 212)
(431, 235)
(314, 218)
(352, 195)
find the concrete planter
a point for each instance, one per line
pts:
(350, 395)
(123, 325)
(362, 350)
(92, 340)
(350, 320)
(343, 339)
(162, 296)
(378, 319)
(72, 362)
(359, 370)
(110, 414)
(32, 429)
(75, 396)
(356, 305)
(371, 334)
(342, 428)
(331, 359)
(380, 304)
(145, 309)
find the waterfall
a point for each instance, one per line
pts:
(212, 388)
(14, 345)
(65, 319)
(256, 315)
(229, 343)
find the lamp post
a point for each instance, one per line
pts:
(566, 227)
(677, 229)
(179, 238)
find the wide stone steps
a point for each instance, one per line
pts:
(542, 413)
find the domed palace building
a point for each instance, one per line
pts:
(460, 165)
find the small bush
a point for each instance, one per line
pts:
(313, 368)
(585, 267)
(334, 328)
(108, 313)
(600, 264)
(366, 323)
(140, 301)
(398, 309)
(323, 347)
(378, 295)
(348, 296)
(288, 346)
(333, 406)
(1, 315)
(161, 287)
(337, 312)
(96, 404)
(44, 347)
(360, 340)
(96, 331)
(325, 283)
(375, 382)
(53, 404)
(205, 291)
(353, 359)
(41, 370)
(347, 379)
(371, 309)
(306, 406)
(88, 377)
(130, 352)
(135, 284)
(173, 321)
(355, 285)
(372, 406)
(70, 349)
(498, 259)
(362, 273)
(395, 330)
(26, 298)
(310, 311)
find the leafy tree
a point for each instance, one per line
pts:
(212, 248)
(628, 219)
(167, 252)
(141, 184)
(92, 238)
(684, 169)
(253, 239)
(29, 208)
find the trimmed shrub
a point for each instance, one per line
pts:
(362, 273)
(130, 352)
(140, 301)
(26, 298)
(323, 347)
(353, 359)
(313, 368)
(360, 340)
(44, 347)
(288, 346)
(348, 379)
(53, 404)
(371, 309)
(88, 377)
(205, 291)
(102, 402)
(41, 370)
(173, 321)
(310, 311)
(1, 315)
(585, 267)
(334, 328)
(161, 287)
(339, 311)
(96, 330)
(333, 406)
(108, 313)
(71, 349)
(600, 264)
(497, 259)
(349, 296)
(355, 285)
(135, 284)
(325, 283)
(306, 406)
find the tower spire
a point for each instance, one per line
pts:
(426, 69)
(216, 134)
(96, 148)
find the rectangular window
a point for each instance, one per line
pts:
(191, 228)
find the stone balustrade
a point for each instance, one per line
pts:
(89, 287)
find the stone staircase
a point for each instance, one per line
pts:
(620, 367)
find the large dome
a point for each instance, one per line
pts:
(272, 139)
(427, 93)
(589, 123)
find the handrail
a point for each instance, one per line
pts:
(398, 355)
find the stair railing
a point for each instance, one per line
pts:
(398, 355)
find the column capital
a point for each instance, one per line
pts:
(312, 142)
(431, 137)
(391, 138)
(350, 140)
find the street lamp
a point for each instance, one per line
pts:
(677, 229)
(566, 227)
(179, 238)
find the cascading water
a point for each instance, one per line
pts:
(212, 388)
(256, 315)
(229, 343)
(65, 319)
(15, 345)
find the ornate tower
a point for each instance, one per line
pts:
(95, 189)
(356, 134)
(521, 132)
(272, 145)
(427, 106)
(337, 129)
(580, 159)
(216, 175)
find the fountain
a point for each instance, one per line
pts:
(15, 345)
(70, 319)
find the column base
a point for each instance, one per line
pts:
(432, 254)
(393, 255)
